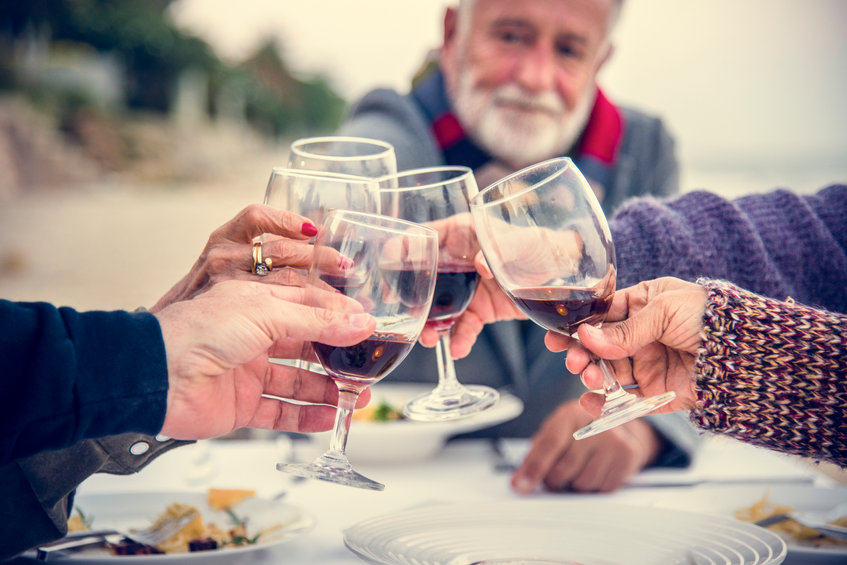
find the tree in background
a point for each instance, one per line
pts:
(154, 53)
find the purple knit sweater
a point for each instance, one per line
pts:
(769, 373)
(777, 244)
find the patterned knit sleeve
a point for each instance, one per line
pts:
(773, 374)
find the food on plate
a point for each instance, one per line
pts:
(79, 522)
(196, 535)
(223, 498)
(382, 411)
(789, 529)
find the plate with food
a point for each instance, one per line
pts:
(380, 433)
(754, 502)
(226, 527)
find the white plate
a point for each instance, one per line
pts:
(725, 500)
(585, 532)
(139, 510)
(403, 441)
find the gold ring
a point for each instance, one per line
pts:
(260, 267)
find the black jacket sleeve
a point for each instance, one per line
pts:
(68, 376)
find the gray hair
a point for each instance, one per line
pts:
(464, 9)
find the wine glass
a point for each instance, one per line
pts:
(546, 240)
(313, 194)
(388, 265)
(359, 156)
(439, 196)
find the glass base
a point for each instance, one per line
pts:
(339, 472)
(460, 402)
(628, 408)
(299, 364)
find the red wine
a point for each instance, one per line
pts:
(454, 288)
(562, 309)
(349, 286)
(367, 361)
(411, 285)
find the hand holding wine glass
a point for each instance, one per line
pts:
(439, 198)
(567, 274)
(389, 266)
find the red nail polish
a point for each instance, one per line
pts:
(309, 229)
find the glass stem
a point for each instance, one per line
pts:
(612, 389)
(447, 380)
(343, 415)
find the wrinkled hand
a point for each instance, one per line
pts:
(653, 343)
(601, 463)
(217, 355)
(229, 252)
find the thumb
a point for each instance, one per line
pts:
(623, 339)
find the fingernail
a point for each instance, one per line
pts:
(344, 263)
(309, 229)
(359, 320)
(523, 484)
(591, 330)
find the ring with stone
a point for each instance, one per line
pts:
(261, 266)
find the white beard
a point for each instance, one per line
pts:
(518, 127)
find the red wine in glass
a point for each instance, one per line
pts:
(454, 289)
(365, 362)
(562, 309)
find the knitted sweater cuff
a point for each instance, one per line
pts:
(773, 374)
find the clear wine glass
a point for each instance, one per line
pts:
(546, 240)
(313, 194)
(389, 266)
(439, 197)
(358, 156)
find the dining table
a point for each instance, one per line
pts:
(463, 471)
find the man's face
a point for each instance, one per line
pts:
(522, 75)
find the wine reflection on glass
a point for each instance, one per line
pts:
(546, 241)
(389, 266)
(440, 197)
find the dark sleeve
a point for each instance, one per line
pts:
(777, 244)
(69, 375)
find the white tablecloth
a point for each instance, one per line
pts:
(463, 471)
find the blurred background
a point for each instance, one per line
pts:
(130, 130)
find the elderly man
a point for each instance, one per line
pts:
(514, 83)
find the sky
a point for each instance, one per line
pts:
(754, 91)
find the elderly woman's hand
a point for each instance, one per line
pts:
(229, 252)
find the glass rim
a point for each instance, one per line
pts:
(478, 201)
(427, 231)
(460, 170)
(298, 144)
(326, 175)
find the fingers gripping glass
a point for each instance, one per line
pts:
(439, 197)
(547, 242)
(388, 266)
